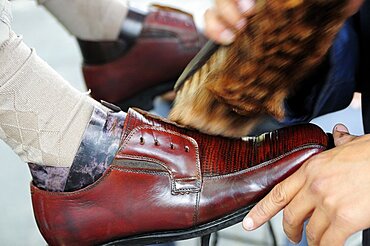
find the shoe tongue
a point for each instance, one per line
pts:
(138, 117)
(133, 119)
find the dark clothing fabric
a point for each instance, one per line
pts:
(363, 28)
(363, 20)
(331, 86)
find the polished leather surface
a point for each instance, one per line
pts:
(184, 167)
(132, 25)
(167, 43)
(100, 52)
(166, 177)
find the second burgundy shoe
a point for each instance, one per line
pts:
(170, 183)
(152, 51)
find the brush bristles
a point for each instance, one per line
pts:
(283, 42)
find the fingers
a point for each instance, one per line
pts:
(353, 6)
(316, 227)
(333, 236)
(276, 200)
(341, 135)
(295, 213)
(216, 30)
(229, 12)
(246, 5)
(226, 18)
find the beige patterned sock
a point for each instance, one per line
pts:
(92, 20)
(5, 19)
(41, 116)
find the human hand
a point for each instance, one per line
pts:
(228, 16)
(225, 18)
(332, 189)
(353, 6)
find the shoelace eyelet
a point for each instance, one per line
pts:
(142, 141)
(156, 143)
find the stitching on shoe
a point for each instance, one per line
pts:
(158, 173)
(77, 192)
(137, 157)
(196, 210)
(155, 161)
(173, 184)
(191, 178)
(266, 163)
(122, 169)
(101, 179)
(161, 129)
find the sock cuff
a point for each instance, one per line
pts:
(116, 12)
(92, 20)
(13, 55)
(5, 12)
(41, 2)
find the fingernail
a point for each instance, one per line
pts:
(341, 128)
(246, 5)
(241, 24)
(227, 37)
(248, 223)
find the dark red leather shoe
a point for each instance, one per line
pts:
(170, 183)
(151, 53)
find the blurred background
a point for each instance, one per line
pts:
(41, 31)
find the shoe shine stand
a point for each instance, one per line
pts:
(204, 240)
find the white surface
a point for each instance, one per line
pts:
(59, 49)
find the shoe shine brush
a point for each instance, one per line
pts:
(226, 90)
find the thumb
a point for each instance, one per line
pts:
(341, 135)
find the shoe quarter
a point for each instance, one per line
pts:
(176, 153)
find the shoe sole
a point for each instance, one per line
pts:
(171, 236)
